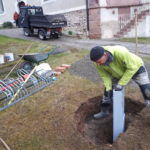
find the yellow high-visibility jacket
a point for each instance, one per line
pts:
(124, 65)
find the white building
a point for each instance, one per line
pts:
(95, 18)
(74, 10)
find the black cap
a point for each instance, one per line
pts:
(96, 53)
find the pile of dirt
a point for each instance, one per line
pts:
(100, 131)
(86, 69)
(136, 135)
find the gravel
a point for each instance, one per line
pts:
(86, 69)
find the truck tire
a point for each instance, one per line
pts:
(26, 65)
(26, 31)
(42, 34)
(56, 36)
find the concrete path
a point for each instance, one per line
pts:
(68, 42)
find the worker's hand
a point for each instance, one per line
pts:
(118, 87)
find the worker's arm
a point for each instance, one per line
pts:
(105, 77)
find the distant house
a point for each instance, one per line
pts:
(74, 10)
(92, 18)
(116, 18)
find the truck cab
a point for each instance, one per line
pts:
(33, 21)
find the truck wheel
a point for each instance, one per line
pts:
(26, 65)
(42, 35)
(56, 36)
(26, 31)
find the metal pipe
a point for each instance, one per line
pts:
(25, 96)
(118, 114)
(3, 97)
(87, 14)
(14, 91)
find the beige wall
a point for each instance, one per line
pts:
(49, 7)
(58, 6)
(63, 6)
(7, 15)
(34, 2)
(77, 23)
(122, 2)
(10, 6)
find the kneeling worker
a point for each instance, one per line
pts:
(117, 66)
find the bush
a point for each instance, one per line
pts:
(70, 32)
(7, 25)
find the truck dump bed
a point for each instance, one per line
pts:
(47, 21)
(34, 17)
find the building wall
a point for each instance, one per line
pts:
(94, 19)
(10, 6)
(143, 29)
(61, 6)
(109, 22)
(111, 13)
(122, 2)
(33, 2)
(77, 22)
(103, 14)
(8, 9)
(74, 11)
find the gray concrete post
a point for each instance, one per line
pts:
(118, 114)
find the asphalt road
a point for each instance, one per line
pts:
(66, 42)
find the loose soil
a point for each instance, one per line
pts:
(61, 117)
(100, 131)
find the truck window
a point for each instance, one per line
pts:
(23, 12)
(38, 11)
(31, 11)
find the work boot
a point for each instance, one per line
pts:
(102, 114)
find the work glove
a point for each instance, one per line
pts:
(118, 87)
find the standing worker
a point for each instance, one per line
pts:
(16, 17)
(117, 66)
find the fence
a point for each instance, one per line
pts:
(127, 21)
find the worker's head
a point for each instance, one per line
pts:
(98, 55)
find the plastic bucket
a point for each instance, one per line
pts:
(43, 68)
(1, 59)
(9, 56)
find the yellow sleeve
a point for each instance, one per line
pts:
(106, 77)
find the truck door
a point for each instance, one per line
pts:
(23, 18)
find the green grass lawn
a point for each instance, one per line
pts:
(20, 46)
(45, 120)
(140, 40)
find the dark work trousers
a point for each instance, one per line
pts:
(140, 77)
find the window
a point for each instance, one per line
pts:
(47, 1)
(1, 7)
(23, 12)
(31, 11)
